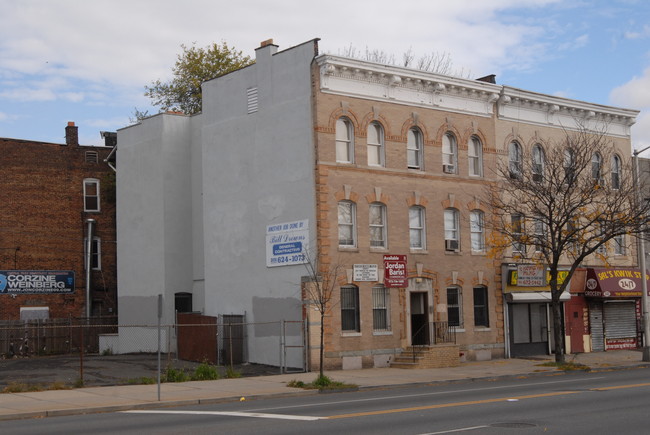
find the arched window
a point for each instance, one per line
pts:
(475, 157)
(449, 154)
(616, 172)
(538, 163)
(375, 144)
(515, 160)
(344, 141)
(569, 166)
(377, 215)
(596, 168)
(414, 149)
(347, 226)
(417, 227)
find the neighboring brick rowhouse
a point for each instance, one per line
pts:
(42, 224)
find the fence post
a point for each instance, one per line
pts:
(283, 349)
(160, 307)
(81, 354)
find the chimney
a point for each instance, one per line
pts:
(266, 49)
(71, 134)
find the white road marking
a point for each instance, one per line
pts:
(462, 429)
(230, 414)
(434, 393)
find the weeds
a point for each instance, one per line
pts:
(205, 372)
(322, 383)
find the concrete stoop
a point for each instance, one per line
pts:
(428, 357)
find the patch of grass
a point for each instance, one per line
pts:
(321, 383)
(21, 387)
(205, 372)
(232, 373)
(566, 366)
(141, 381)
(79, 383)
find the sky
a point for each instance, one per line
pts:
(88, 61)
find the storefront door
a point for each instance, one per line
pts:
(528, 329)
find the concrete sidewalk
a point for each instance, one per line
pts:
(117, 398)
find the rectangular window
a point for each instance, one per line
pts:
(619, 245)
(380, 308)
(417, 237)
(452, 239)
(476, 227)
(350, 309)
(540, 234)
(377, 214)
(91, 195)
(95, 253)
(347, 230)
(481, 307)
(518, 246)
(454, 313)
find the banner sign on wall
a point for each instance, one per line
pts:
(365, 272)
(287, 243)
(395, 273)
(36, 281)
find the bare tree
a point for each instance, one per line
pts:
(558, 207)
(435, 62)
(318, 292)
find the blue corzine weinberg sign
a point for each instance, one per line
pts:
(36, 281)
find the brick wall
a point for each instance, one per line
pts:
(42, 224)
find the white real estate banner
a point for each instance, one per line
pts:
(366, 272)
(287, 243)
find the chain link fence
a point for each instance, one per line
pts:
(99, 351)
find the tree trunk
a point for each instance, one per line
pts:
(322, 342)
(558, 334)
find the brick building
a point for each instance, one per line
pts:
(357, 163)
(52, 195)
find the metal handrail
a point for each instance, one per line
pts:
(434, 333)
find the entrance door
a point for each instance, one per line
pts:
(419, 320)
(576, 308)
(528, 329)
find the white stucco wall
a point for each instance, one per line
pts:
(154, 219)
(258, 170)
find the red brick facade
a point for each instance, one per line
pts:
(43, 222)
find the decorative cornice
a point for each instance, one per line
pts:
(379, 82)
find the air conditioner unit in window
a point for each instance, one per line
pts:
(449, 169)
(451, 245)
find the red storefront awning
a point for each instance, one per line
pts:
(615, 283)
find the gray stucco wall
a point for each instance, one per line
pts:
(258, 169)
(154, 243)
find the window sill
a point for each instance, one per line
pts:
(382, 332)
(458, 329)
(348, 248)
(453, 253)
(482, 329)
(479, 253)
(418, 251)
(350, 334)
(378, 249)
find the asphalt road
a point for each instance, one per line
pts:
(594, 403)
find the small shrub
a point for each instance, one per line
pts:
(232, 373)
(107, 352)
(15, 387)
(175, 375)
(58, 385)
(79, 383)
(141, 381)
(205, 372)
